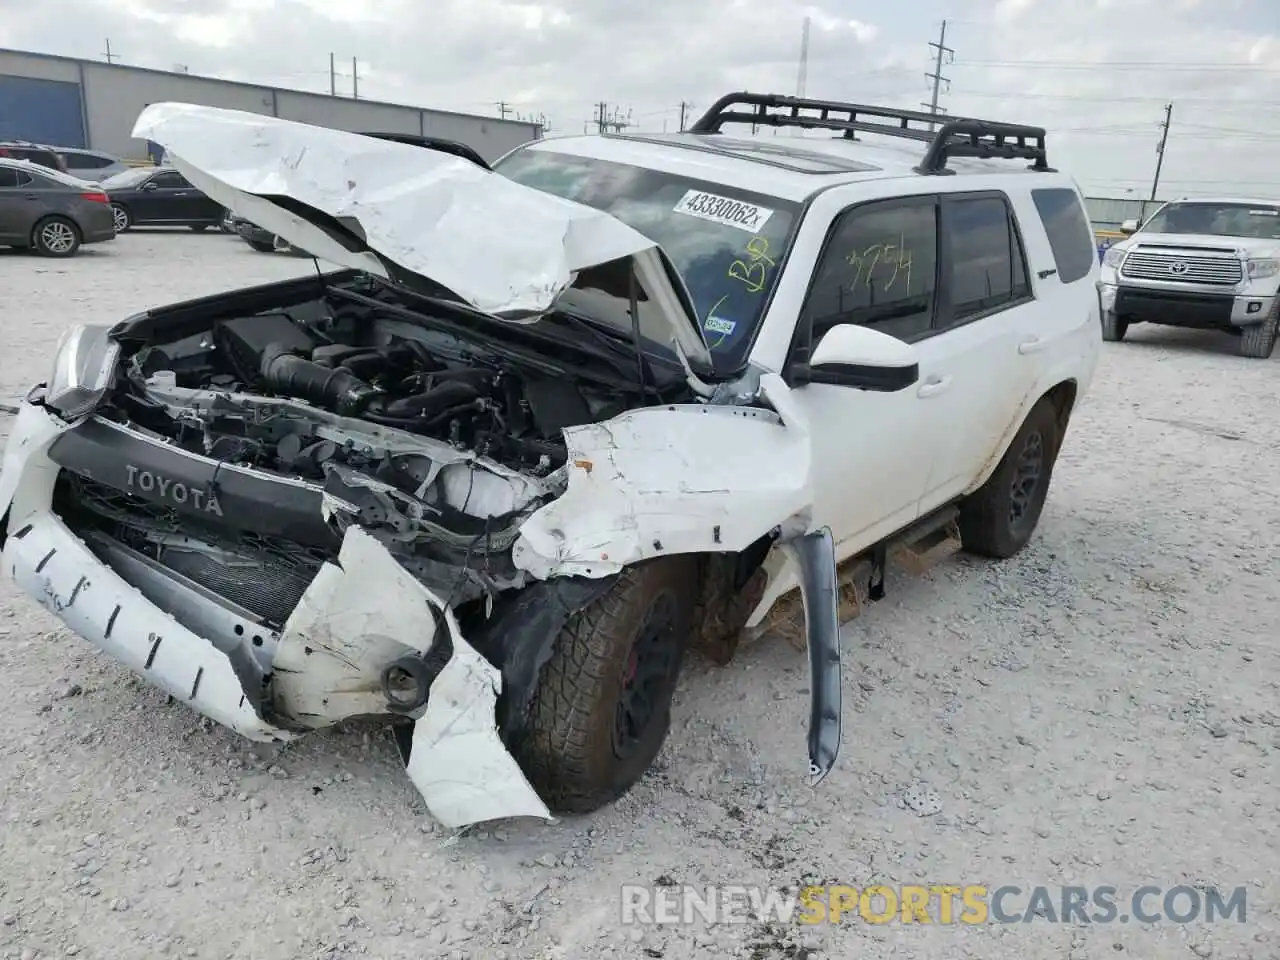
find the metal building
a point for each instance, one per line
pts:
(67, 102)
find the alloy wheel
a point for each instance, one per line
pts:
(58, 237)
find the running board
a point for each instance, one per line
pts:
(916, 550)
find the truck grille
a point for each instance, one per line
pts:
(1178, 267)
(265, 575)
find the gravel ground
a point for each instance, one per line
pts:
(1100, 710)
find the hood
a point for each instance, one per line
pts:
(413, 214)
(1240, 246)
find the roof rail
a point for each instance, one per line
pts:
(957, 136)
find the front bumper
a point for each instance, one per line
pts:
(1178, 307)
(359, 614)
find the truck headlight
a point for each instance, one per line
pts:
(1113, 258)
(1262, 268)
(82, 370)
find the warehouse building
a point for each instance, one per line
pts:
(66, 102)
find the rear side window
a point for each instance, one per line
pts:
(85, 161)
(13, 178)
(987, 266)
(1068, 230)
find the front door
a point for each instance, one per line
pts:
(872, 452)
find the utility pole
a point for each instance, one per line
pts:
(601, 113)
(503, 109)
(1164, 138)
(684, 112)
(111, 57)
(333, 78)
(355, 80)
(937, 77)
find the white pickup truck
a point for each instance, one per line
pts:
(554, 424)
(1210, 264)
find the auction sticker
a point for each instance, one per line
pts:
(724, 210)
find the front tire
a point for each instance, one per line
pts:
(1259, 341)
(1000, 517)
(121, 219)
(601, 709)
(56, 237)
(1113, 328)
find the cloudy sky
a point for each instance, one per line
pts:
(1097, 73)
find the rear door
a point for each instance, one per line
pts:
(21, 205)
(977, 373)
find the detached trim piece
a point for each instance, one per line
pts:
(957, 137)
(815, 554)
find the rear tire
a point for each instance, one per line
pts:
(1259, 341)
(1113, 327)
(602, 706)
(56, 237)
(121, 219)
(999, 518)
(261, 247)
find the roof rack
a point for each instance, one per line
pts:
(956, 137)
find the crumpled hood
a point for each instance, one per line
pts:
(382, 207)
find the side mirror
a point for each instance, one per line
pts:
(150, 186)
(862, 358)
(1129, 227)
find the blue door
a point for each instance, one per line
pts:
(45, 111)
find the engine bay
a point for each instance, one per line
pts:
(438, 444)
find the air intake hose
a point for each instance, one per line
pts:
(294, 376)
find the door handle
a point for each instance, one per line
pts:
(1034, 345)
(934, 386)
(30, 196)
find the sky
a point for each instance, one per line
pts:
(1096, 73)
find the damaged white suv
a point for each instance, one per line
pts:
(553, 425)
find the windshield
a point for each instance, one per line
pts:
(1254, 221)
(726, 243)
(128, 178)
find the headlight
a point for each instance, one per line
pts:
(1263, 268)
(82, 370)
(1113, 258)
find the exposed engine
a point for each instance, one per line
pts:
(437, 445)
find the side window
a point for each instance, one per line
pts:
(1067, 227)
(170, 181)
(85, 161)
(878, 270)
(8, 177)
(987, 264)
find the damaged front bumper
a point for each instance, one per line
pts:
(327, 662)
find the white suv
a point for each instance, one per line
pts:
(1209, 264)
(555, 425)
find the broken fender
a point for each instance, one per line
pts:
(683, 478)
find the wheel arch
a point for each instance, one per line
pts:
(39, 225)
(1062, 395)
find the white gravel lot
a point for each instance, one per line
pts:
(1100, 710)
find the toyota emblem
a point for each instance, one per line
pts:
(1178, 268)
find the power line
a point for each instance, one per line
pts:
(936, 76)
(1171, 65)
